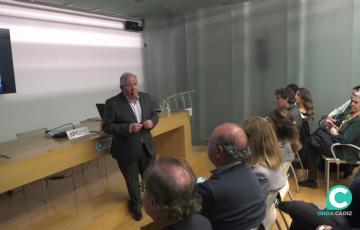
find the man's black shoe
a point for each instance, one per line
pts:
(308, 183)
(136, 214)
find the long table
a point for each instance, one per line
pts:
(39, 156)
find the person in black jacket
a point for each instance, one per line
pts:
(347, 133)
(305, 215)
(232, 197)
(129, 117)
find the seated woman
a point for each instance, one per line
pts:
(265, 158)
(286, 132)
(304, 215)
(347, 133)
(305, 105)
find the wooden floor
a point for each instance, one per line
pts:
(99, 202)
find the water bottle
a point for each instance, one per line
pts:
(168, 109)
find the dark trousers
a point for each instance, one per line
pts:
(310, 158)
(131, 172)
(305, 217)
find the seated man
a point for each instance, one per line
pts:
(285, 99)
(339, 114)
(321, 140)
(171, 197)
(232, 197)
(304, 215)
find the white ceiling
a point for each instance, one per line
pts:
(132, 8)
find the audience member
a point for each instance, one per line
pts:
(347, 133)
(305, 215)
(294, 88)
(285, 99)
(265, 158)
(306, 109)
(231, 197)
(339, 114)
(171, 197)
(286, 132)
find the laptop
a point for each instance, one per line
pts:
(101, 108)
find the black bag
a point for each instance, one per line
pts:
(321, 140)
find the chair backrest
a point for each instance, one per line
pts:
(270, 216)
(354, 149)
(285, 168)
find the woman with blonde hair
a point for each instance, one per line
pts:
(265, 157)
(286, 132)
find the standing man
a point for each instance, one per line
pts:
(129, 117)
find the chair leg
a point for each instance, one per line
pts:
(277, 224)
(327, 172)
(284, 219)
(44, 190)
(295, 177)
(337, 172)
(290, 195)
(73, 177)
(106, 167)
(301, 164)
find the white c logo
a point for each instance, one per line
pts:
(332, 198)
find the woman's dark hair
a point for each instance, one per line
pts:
(307, 102)
(285, 127)
(293, 86)
(286, 93)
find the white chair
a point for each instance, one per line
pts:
(297, 159)
(286, 189)
(44, 181)
(337, 161)
(270, 217)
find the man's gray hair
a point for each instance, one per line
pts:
(124, 76)
(174, 200)
(233, 148)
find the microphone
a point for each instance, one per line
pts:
(55, 133)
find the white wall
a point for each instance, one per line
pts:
(61, 69)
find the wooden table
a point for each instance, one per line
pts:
(37, 157)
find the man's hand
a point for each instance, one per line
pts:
(148, 124)
(330, 122)
(334, 130)
(135, 127)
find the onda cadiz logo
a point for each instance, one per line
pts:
(339, 197)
